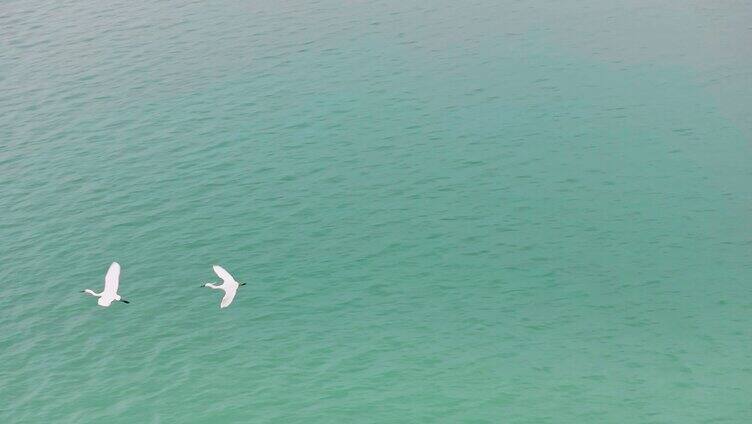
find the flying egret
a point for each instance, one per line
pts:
(109, 294)
(229, 285)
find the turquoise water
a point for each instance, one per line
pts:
(518, 212)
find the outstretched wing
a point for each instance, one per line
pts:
(112, 279)
(223, 274)
(228, 297)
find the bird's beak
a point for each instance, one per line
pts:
(82, 291)
(125, 301)
(242, 284)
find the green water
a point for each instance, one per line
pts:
(512, 212)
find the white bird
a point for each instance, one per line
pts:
(229, 285)
(111, 281)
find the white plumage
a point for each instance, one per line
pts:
(229, 286)
(111, 283)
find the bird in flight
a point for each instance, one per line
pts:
(229, 285)
(111, 281)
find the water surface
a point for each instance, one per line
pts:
(521, 212)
